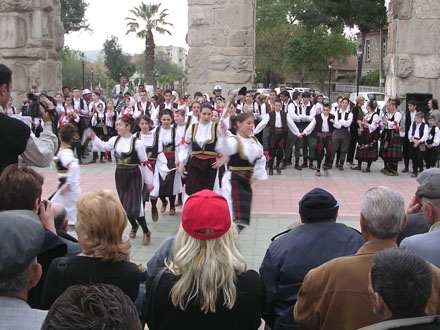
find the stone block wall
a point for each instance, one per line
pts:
(413, 60)
(31, 39)
(221, 36)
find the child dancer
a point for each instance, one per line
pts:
(68, 174)
(131, 172)
(150, 140)
(279, 123)
(323, 125)
(432, 143)
(418, 135)
(341, 134)
(170, 182)
(246, 164)
(99, 120)
(366, 150)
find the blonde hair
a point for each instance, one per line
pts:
(208, 269)
(103, 219)
(359, 99)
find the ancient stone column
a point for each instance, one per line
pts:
(413, 61)
(31, 39)
(221, 36)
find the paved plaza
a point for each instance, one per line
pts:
(274, 206)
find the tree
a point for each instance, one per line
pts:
(309, 51)
(154, 21)
(366, 15)
(72, 67)
(163, 65)
(272, 30)
(72, 15)
(117, 63)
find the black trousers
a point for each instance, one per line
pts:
(406, 151)
(353, 142)
(276, 148)
(327, 148)
(431, 155)
(417, 157)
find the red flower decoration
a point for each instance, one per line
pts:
(183, 112)
(183, 142)
(266, 154)
(151, 123)
(127, 117)
(148, 165)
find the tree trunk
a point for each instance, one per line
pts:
(149, 58)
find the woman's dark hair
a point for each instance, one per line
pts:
(434, 104)
(191, 106)
(147, 118)
(206, 105)
(66, 133)
(128, 121)
(166, 112)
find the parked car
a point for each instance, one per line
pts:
(380, 98)
(265, 91)
(289, 89)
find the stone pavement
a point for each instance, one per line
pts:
(274, 206)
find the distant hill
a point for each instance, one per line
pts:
(92, 55)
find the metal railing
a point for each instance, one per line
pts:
(352, 88)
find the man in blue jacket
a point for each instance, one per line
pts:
(293, 253)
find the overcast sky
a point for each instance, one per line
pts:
(107, 17)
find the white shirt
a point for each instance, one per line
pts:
(392, 124)
(203, 135)
(436, 141)
(304, 117)
(416, 134)
(294, 111)
(263, 123)
(325, 125)
(339, 123)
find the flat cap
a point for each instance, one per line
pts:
(427, 173)
(430, 187)
(22, 239)
(318, 204)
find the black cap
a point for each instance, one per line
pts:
(22, 236)
(318, 204)
(242, 91)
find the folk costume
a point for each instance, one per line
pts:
(341, 136)
(279, 123)
(246, 162)
(99, 125)
(391, 142)
(418, 132)
(198, 152)
(131, 174)
(367, 148)
(323, 129)
(309, 143)
(69, 188)
(168, 182)
(410, 117)
(432, 144)
(294, 111)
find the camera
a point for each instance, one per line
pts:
(33, 108)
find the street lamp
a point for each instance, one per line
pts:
(330, 66)
(91, 86)
(83, 62)
(359, 53)
(156, 76)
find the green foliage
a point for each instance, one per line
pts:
(116, 61)
(163, 65)
(310, 51)
(72, 15)
(272, 30)
(152, 19)
(371, 79)
(72, 67)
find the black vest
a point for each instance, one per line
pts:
(151, 151)
(238, 162)
(319, 121)
(127, 158)
(431, 135)
(209, 147)
(272, 121)
(421, 129)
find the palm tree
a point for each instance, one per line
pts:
(154, 21)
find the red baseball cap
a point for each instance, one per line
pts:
(206, 210)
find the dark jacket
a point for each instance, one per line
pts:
(289, 258)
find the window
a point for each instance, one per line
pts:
(367, 50)
(384, 47)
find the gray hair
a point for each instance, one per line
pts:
(434, 202)
(17, 285)
(383, 210)
(59, 219)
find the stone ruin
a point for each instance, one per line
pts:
(413, 61)
(221, 36)
(31, 40)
